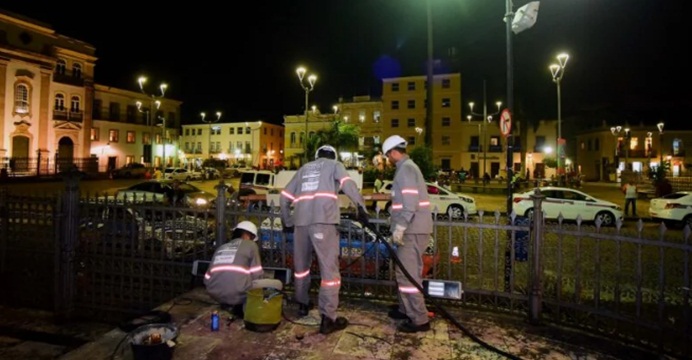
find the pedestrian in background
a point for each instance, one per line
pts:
(313, 193)
(411, 225)
(630, 191)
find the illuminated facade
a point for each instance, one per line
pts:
(254, 143)
(52, 112)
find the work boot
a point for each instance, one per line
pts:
(328, 325)
(304, 310)
(410, 327)
(397, 314)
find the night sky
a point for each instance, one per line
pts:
(240, 57)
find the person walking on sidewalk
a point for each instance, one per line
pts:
(630, 191)
(313, 193)
(411, 225)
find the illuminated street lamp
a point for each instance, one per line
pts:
(307, 87)
(660, 141)
(558, 71)
(210, 121)
(419, 130)
(489, 118)
(153, 100)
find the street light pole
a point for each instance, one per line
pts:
(210, 121)
(153, 98)
(558, 71)
(627, 147)
(660, 141)
(252, 148)
(307, 87)
(487, 117)
(478, 148)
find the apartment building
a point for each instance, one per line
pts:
(255, 143)
(366, 113)
(123, 132)
(603, 152)
(52, 113)
(404, 113)
(296, 127)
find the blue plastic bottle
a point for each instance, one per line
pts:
(215, 321)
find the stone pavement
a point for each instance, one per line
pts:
(371, 335)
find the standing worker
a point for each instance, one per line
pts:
(411, 225)
(236, 268)
(313, 193)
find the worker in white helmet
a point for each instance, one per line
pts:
(313, 194)
(411, 225)
(236, 268)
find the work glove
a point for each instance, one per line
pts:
(288, 229)
(363, 217)
(398, 235)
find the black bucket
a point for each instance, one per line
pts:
(153, 342)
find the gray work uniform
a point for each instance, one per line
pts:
(235, 268)
(313, 193)
(411, 208)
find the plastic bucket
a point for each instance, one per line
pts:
(263, 309)
(153, 342)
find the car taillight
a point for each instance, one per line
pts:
(519, 199)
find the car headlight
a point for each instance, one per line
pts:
(468, 200)
(201, 201)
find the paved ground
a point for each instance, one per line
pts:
(371, 335)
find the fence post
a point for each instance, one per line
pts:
(67, 237)
(536, 270)
(220, 213)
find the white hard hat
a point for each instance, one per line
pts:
(247, 226)
(392, 142)
(325, 148)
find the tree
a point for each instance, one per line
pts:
(342, 136)
(423, 156)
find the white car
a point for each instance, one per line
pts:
(673, 208)
(178, 174)
(442, 200)
(570, 203)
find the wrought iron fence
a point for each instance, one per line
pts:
(47, 166)
(116, 259)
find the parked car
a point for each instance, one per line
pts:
(155, 191)
(361, 251)
(441, 198)
(114, 228)
(178, 174)
(131, 170)
(569, 203)
(675, 208)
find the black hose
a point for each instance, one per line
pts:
(434, 301)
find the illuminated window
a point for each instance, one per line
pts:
(59, 102)
(113, 135)
(146, 138)
(130, 137)
(94, 134)
(634, 142)
(21, 99)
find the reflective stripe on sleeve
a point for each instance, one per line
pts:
(341, 182)
(256, 269)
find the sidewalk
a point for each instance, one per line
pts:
(371, 335)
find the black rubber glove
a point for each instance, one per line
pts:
(288, 229)
(363, 216)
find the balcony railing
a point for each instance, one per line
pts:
(68, 79)
(76, 116)
(59, 114)
(495, 148)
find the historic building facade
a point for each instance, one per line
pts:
(52, 113)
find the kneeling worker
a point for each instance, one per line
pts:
(236, 268)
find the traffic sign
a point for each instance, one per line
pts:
(505, 123)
